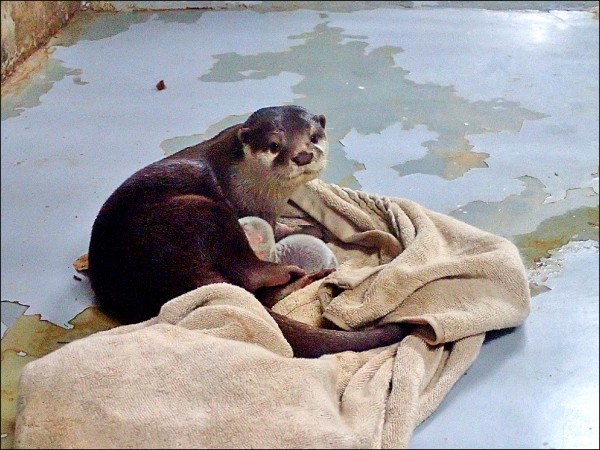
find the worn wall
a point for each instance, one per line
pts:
(26, 26)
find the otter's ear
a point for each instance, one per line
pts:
(321, 119)
(244, 135)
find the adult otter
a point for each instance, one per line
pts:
(173, 226)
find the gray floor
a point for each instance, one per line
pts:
(487, 111)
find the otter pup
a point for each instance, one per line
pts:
(173, 226)
(302, 250)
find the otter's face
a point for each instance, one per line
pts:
(287, 145)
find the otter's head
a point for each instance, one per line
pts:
(285, 144)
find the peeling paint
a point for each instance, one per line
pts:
(580, 224)
(12, 366)
(89, 26)
(372, 93)
(26, 92)
(550, 266)
(522, 213)
(523, 57)
(30, 338)
(173, 145)
(11, 311)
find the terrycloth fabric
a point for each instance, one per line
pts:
(213, 369)
(400, 262)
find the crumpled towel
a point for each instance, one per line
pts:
(213, 370)
(400, 262)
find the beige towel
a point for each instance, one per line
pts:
(213, 369)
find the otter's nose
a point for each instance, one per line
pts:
(303, 158)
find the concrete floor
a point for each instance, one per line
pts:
(487, 111)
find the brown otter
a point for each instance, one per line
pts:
(173, 226)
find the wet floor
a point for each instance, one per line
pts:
(485, 113)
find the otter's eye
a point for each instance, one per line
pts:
(274, 147)
(314, 139)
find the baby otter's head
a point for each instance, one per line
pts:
(284, 145)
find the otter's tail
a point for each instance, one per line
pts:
(311, 342)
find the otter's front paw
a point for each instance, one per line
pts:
(269, 296)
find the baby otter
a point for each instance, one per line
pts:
(173, 226)
(302, 250)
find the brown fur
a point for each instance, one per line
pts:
(173, 225)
